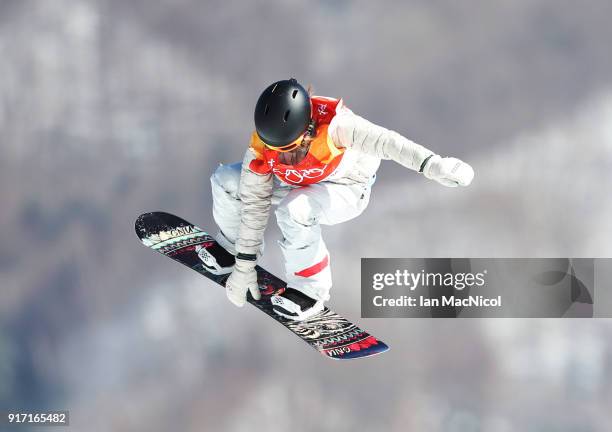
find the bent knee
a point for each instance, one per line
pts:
(300, 210)
(227, 177)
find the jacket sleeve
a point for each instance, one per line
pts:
(255, 192)
(349, 130)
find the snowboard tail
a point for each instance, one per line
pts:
(327, 332)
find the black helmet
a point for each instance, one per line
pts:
(282, 113)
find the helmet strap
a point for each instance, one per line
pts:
(312, 127)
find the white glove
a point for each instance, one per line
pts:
(448, 171)
(243, 278)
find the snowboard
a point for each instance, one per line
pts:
(327, 332)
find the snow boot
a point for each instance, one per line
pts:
(295, 305)
(219, 258)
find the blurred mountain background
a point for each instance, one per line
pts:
(110, 108)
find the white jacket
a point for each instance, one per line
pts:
(365, 143)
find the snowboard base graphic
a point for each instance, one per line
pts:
(327, 332)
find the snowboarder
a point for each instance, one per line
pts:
(316, 160)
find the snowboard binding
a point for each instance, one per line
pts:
(295, 305)
(215, 259)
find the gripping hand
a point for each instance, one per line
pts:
(243, 278)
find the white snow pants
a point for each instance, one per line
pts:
(300, 212)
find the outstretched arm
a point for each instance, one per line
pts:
(352, 131)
